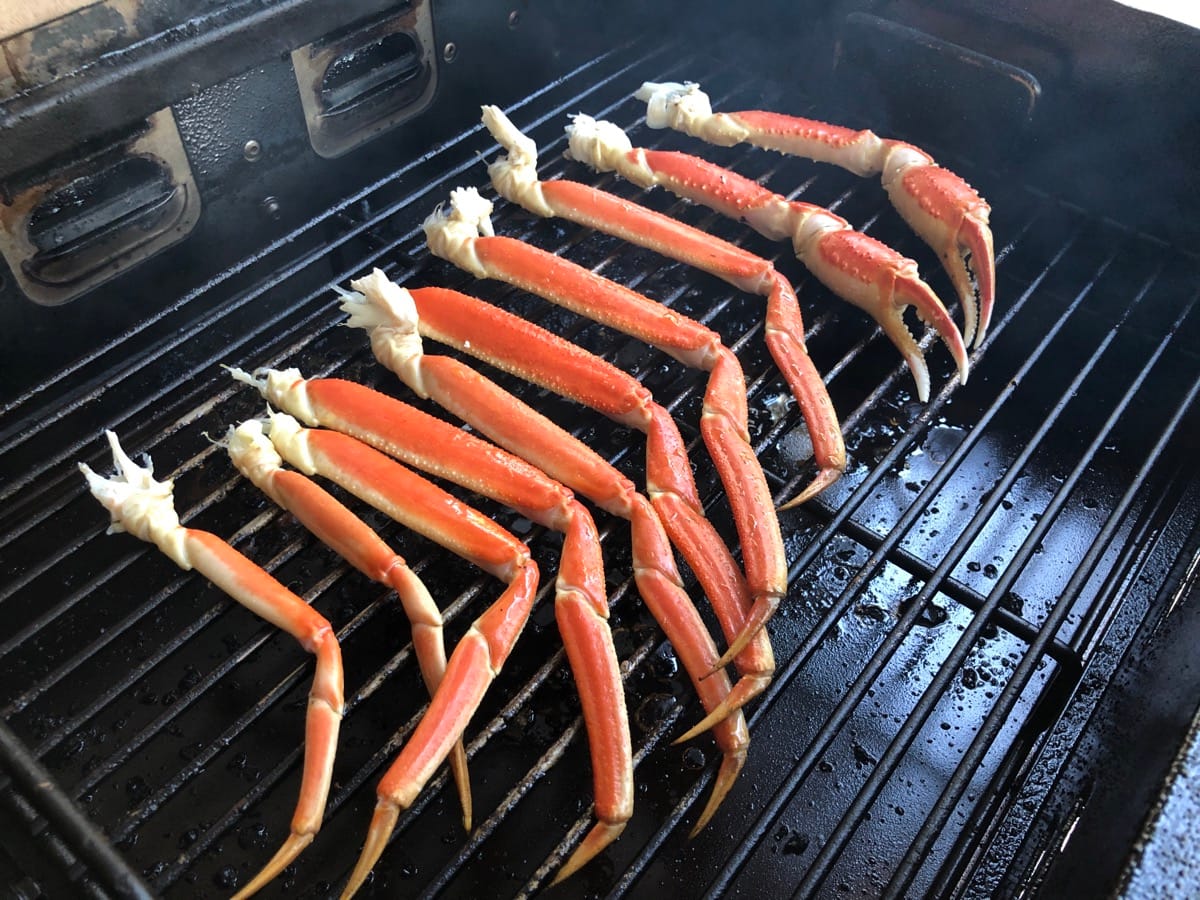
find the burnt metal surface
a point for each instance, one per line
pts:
(952, 596)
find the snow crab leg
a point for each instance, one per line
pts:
(253, 454)
(417, 503)
(396, 319)
(463, 235)
(515, 178)
(145, 508)
(428, 443)
(938, 205)
(855, 267)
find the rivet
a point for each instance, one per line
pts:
(252, 151)
(450, 51)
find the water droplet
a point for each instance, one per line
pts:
(933, 616)
(253, 835)
(796, 844)
(663, 663)
(226, 879)
(861, 756)
(653, 710)
(136, 788)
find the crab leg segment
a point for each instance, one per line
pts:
(396, 318)
(515, 177)
(944, 210)
(144, 507)
(855, 267)
(415, 502)
(456, 236)
(253, 454)
(438, 447)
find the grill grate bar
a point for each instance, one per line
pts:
(1060, 651)
(70, 824)
(303, 329)
(838, 523)
(113, 633)
(960, 781)
(909, 729)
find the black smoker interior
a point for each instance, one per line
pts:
(985, 683)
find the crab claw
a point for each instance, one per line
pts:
(952, 218)
(882, 282)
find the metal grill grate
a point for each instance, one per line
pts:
(947, 594)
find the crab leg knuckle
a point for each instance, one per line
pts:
(418, 439)
(581, 291)
(144, 506)
(935, 202)
(597, 209)
(518, 346)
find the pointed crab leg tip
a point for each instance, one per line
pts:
(462, 780)
(920, 374)
(958, 350)
(760, 614)
(382, 825)
(714, 717)
(825, 478)
(283, 858)
(976, 240)
(746, 689)
(985, 316)
(914, 292)
(731, 767)
(601, 835)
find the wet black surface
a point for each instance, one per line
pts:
(946, 594)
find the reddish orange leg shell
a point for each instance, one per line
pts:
(414, 501)
(396, 319)
(456, 236)
(143, 506)
(855, 267)
(436, 446)
(337, 527)
(515, 177)
(944, 210)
